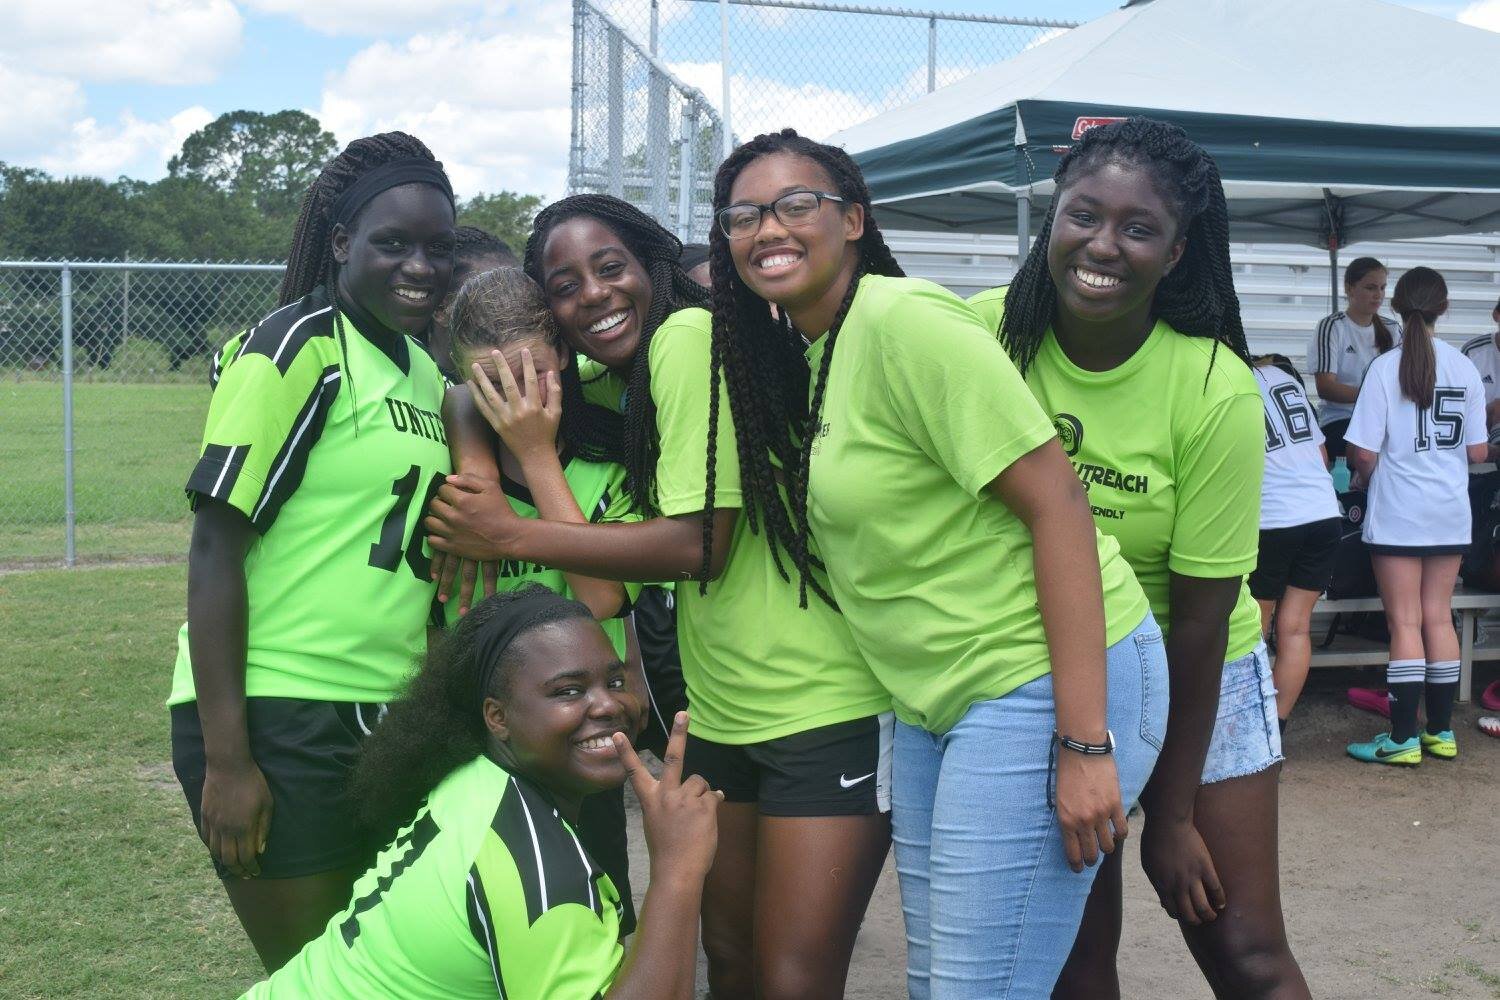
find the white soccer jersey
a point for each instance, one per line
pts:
(1345, 349)
(1296, 488)
(1419, 495)
(1486, 357)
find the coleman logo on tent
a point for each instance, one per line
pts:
(1082, 125)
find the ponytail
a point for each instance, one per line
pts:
(1421, 297)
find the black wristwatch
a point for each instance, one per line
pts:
(1108, 746)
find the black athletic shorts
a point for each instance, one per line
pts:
(655, 617)
(601, 828)
(1300, 556)
(1417, 551)
(1333, 437)
(838, 770)
(306, 750)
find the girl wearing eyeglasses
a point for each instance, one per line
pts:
(958, 543)
(787, 720)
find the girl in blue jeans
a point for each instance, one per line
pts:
(1125, 321)
(1026, 672)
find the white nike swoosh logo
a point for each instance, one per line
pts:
(847, 783)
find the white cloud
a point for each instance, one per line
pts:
(130, 146)
(155, 41)
(35, 112)
(369, 17)
(1484, 14)
(759, 104)
(493, 107)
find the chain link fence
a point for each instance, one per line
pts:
(639, 132)
(647, 74)
(104, 392)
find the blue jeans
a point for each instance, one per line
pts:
(991, 906)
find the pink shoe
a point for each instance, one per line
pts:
(1490, 697)
(1489, 725)
(1371, 700)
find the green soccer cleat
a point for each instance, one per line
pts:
(1441, 745)
(1384, 750)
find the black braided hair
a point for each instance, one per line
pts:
(310, 262)
(633, 440)
(1197, 298)
(765, 368)
(471, 243)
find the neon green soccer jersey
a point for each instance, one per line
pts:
(332, 451)
(487, 893)
(599, 488)
(756, 666)
(936, 576)
(1171, 453)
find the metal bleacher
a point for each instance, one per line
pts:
(1283, 289)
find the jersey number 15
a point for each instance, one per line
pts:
(1447, 415)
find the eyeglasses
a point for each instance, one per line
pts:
(800, 208)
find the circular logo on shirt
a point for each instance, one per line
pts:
(1070, 431)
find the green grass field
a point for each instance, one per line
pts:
(134, 446)
(105, 889)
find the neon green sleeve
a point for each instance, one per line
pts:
(1216, 530)
(955, 390)
(679, 388)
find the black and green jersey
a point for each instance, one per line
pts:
(487, 893)
(332, 451)
(599, 488)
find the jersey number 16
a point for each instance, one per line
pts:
(387, 553)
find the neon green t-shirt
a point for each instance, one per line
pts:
(599, 488)
(1171, 454)
(486, 893)
(333, 456)
(922, 411)
(756, 665)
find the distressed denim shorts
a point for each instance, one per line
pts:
(1246, 739)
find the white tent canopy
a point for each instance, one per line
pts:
(1342, 119)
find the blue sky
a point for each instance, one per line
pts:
(111, 87)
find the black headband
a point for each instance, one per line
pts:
(408, 170)
(494, 637)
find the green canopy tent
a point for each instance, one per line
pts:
(1331, 122)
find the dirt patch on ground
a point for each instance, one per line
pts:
(1389, 876)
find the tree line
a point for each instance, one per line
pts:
(232, 193)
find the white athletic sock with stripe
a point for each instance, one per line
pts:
(1442, 672)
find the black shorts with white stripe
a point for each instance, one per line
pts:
(838, 770)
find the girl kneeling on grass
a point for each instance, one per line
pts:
(478, 773)
(787, 719)
(1418, 424)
